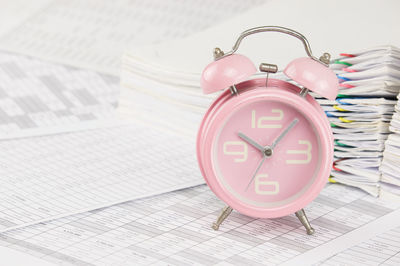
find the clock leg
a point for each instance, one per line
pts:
(304, 221)
(224, 213)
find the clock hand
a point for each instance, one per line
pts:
(251, 142)
(280, 137)
(255, 172)
(264, 149)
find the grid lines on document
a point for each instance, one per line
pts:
(383, 249)
(35, 94)
(174, 229)
(52, 176)
(94, 33)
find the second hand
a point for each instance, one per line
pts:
(267, 148)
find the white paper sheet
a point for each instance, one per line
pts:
(17, 258)
(383, 249)
(93, 34)
(15, 12)
(174, 229)
(37, 97)
(44, 178)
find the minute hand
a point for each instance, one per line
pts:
(280, 137)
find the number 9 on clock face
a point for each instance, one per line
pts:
(266, 154)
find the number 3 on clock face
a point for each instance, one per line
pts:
(275, 162)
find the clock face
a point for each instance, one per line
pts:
(266, 154)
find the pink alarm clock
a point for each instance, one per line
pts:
(265, 146)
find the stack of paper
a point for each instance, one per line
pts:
(167, 98)
(390, 166)
(161, 82)
(360, 116)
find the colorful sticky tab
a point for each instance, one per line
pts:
(335, 168)
(345, 120)
(340, 144)
(347, 55)
(349, 69)
(331, 180)
(343, 78)
(340, 109)
(343, 103)
(342, 62)
(328, 114)
(344, 85)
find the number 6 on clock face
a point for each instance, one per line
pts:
(263, 187)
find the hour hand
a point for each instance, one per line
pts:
(251, 142)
